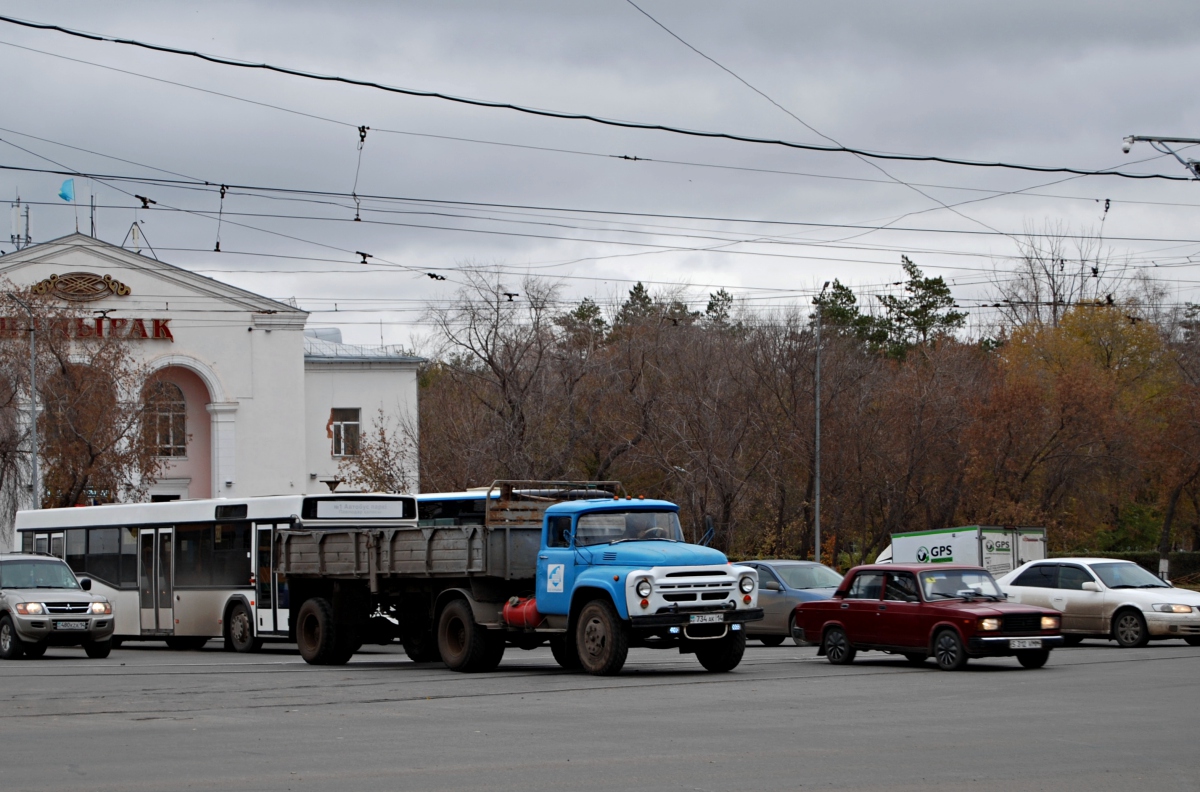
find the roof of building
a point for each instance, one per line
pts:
(320, 350)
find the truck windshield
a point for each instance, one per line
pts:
(608, 527)
(941, 584)
(36, 575)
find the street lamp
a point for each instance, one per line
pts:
(817, 444)
(1159, 144)
(33, 433)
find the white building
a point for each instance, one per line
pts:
(258, 405)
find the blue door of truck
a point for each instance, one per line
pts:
(556, 568)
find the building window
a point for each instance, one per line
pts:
(166, 419)
(343, 430)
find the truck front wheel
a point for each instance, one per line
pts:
(601, 640)
(463, 644)
(316, 634)
(563, 649)
(723, 654)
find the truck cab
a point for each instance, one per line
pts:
(616, 572)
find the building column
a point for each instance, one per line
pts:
(224, 446)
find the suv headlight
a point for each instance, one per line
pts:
(746, 584)
(643, 588)
(1164, 607)
(30, 608)
(989, 624)
(101, 607)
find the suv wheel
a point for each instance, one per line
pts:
(948, 651)
(11, 647)
(98, 650)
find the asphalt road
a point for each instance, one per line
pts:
(1095, 718)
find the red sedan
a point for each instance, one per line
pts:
(951, 613)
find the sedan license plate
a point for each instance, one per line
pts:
(707, 618)
(1025, 643)
(70, 625)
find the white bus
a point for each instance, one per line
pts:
(187, 571)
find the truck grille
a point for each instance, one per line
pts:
(680, 597)
(68, 607)
(1023, 622)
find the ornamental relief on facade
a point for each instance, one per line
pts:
(81, 287)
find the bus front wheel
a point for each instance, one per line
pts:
(239, 631)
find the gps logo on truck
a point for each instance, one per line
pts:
(998, 546)
(938, 554)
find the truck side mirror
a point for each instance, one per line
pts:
(1090, 586)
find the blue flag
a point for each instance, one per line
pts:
(67, 193)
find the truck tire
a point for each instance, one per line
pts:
(563, 649)
(316, 633)
(723, 654)
(98, 650)
(463, 644)
(11, 647)
(601, 639)
(239, 631)
(420, 647)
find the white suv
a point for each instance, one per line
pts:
(43, 604)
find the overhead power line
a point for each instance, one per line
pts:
(496, 105)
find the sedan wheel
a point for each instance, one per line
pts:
(948, 651)
(837, 647)
(1129, 628)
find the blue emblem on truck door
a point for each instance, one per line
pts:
(554, 577)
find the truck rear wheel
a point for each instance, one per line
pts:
(463, 644)
(723, 654)
(316, 634)
(601, 640)
(420, 647)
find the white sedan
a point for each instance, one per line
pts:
(1107, 598)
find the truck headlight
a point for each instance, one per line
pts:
(101, 607)
(643, 588)
(989, 624)
(30, 608)
(1050, 622)
(746, 584)
(1164, 607)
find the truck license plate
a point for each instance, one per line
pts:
(707, 618)
(70, 625)
(1028, 643)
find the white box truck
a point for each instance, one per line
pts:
(998, 549)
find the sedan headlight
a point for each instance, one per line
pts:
(1164, 607)
(989, 624)
(643, 588)
(746, 584)
(101, 607)
(30, 608)
(1050, 622)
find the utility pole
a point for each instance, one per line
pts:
(817, 443)
(1162, 145)
(19, 239)
(35, 482)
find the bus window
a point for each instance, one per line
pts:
(128, 557)
(77, 550)
(104, 554)
(231, 554)
(27, 542)
(56, 544)
(193, 554)
(41, 543)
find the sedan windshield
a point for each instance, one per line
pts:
(803, 576)
(941, 584)
(1126, 574)
(631, 526)
(36, 575)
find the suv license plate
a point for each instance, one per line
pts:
(70, 625)
(707, 618)
(1029, 643)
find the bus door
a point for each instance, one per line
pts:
(51, 543)
(271, 587)
(156, 579)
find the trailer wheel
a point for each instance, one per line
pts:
(601, 639)
(463, 644)
(316, 634)
(723, 654)
(420, 647)
(563, 649)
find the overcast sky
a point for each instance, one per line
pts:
(1028, 82)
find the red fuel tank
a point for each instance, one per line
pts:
(522, 612)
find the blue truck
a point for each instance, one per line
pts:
(577, 565)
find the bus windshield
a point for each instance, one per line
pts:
(36, 575)
(631, 526)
